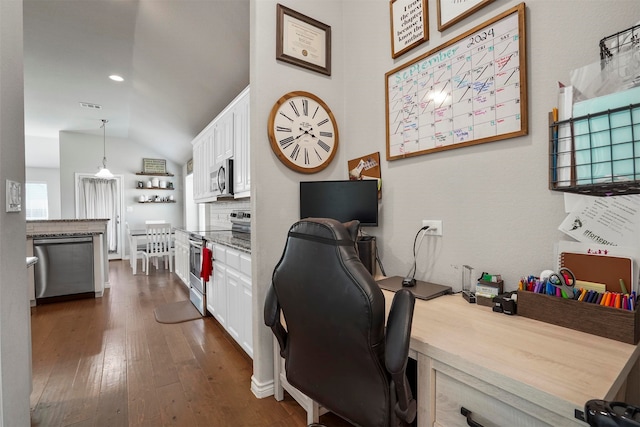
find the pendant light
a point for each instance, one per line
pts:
(104, 173)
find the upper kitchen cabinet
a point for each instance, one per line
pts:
(241, 173)
(227, 136)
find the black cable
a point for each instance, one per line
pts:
(411, 281)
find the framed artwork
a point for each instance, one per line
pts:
(302, 41)
(154, 166)
(470, 90)
(454, 11)
(409, 25)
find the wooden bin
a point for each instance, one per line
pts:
(608, 322)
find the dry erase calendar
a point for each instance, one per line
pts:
(468, 91)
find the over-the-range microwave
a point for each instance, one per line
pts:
(221, 178)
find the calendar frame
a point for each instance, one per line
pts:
(439, 58)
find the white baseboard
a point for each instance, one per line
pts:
(261, 390)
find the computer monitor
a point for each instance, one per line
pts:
(342, 200)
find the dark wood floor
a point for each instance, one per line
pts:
(107, 362)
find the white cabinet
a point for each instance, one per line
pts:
(223, 137)
(242, 173)
(229, 294)
(181, 256)
(203, 159)
(227, 136)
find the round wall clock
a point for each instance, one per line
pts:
(303, 132)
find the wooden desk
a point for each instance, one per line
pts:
(510, 370)
(507, 370)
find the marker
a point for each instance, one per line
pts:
(599, 298)
(623, 287)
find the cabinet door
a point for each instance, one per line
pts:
(242, 174)
(234, 289)
(217, 299)
(245, 298)
(198, 169)
(224, 137)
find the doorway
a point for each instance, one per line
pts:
(102, 198)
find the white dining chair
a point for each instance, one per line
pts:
(159, 245)
(136, 251)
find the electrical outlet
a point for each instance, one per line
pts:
(435, 226)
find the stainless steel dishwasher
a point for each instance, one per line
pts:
(64, 269)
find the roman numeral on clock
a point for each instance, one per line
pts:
(324, 145)
(284, 143)
(284, 115)
(305, 107)
(323, 122)
(295, 152)
(327, 134)
(282, 129)
(306, 156)
(294, 108)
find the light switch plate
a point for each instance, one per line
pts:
(14, 196)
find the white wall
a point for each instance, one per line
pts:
(493, 198)
(52, 177)
(274, 190)
(15, 320)
(83, 153)
(498, 213)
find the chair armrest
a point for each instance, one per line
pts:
(272, 319)
(397, 339)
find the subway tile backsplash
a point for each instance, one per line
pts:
(218, 212)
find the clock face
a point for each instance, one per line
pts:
(303, 132)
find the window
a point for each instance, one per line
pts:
(36, 200)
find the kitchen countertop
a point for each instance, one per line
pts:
(223, 236)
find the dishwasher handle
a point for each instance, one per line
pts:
(62, 240)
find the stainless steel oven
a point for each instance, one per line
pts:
(197, 289)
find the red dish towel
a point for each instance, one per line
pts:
(207, 264)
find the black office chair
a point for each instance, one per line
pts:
(602, 413)
(335, 347)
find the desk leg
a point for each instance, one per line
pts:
(278, 390)
(426, 392)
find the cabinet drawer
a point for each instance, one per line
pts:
(219, 253)
(245, 264)
(491, 406)
(233, 259)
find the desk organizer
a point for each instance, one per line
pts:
(608, 322)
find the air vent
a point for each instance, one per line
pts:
(91, 106)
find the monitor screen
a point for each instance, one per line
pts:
(341, 200)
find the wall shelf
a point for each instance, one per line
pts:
(157, 203)
(596, 154)
(153, 174)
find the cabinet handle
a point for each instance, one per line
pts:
(467, 413)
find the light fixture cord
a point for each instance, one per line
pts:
(104, 143)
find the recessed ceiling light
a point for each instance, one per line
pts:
(116, 78)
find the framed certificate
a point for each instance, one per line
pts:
(409, 25)
(453, 11)
(303, 41)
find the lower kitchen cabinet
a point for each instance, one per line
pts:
(181, 256)
(229, 294)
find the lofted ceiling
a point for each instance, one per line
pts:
(183, 61)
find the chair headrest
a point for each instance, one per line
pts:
(326, 230)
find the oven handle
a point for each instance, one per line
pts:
(196, 243)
